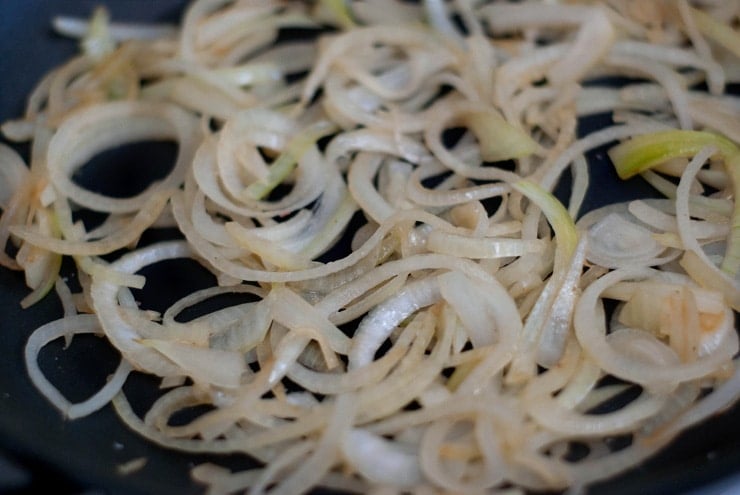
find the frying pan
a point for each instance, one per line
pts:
(38, 448)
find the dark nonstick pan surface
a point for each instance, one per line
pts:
(39, 448)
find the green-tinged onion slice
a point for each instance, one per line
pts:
(644, 152)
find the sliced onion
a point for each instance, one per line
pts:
(423, 313)
(110, 125)
(70, 325)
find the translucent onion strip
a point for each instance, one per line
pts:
(68, 326)
(96, 129)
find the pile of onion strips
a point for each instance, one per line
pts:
(476, 333)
